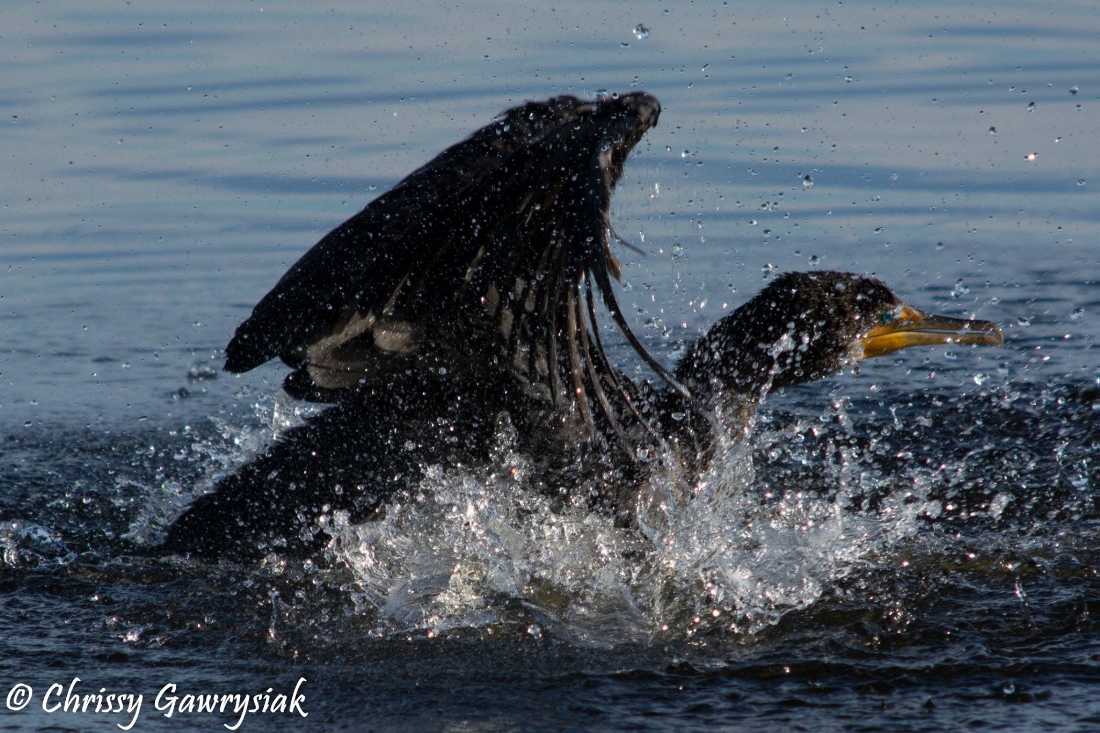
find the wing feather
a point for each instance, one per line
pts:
(477, 257)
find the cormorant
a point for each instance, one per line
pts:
(464, 299)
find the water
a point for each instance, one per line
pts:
(909, 547)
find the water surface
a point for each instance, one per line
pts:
(910, 547)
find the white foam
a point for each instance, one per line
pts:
(477, 547)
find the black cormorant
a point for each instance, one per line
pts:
(464, 298)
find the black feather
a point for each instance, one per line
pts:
(476, 258)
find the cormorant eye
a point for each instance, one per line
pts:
(889, 316)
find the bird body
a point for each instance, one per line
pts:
(462, 303)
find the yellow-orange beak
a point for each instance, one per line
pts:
(913, 328)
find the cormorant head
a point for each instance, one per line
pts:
(807, 325)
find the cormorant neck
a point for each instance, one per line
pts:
(800, 328)
(731, 362)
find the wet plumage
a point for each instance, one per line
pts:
(463, 303)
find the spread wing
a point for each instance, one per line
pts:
(489, 253)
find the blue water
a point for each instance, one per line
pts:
(909, 547)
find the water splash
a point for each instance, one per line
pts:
(738, 551)
(812, 503)
(209, 452)
(26, 544)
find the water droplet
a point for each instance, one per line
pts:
(641, 32)
(1031, 106)
(200, 371)
(807, 181)
(992, 130)
(1008, 688)
(939, 245)
(1023, 321)
(1078, 314)
(1073, 89)
(1030, 157)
